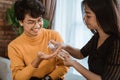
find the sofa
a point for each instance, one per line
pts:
(5, 73)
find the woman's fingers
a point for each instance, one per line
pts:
(56, 52)
(57, 44)
(53, 42)
(63, 54)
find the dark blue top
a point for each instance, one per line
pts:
(104, 60)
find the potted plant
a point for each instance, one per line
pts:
(12, 20)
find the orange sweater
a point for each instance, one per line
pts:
(24, 49)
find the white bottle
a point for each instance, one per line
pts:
(51, 46)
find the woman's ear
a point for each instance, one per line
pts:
(21, 23)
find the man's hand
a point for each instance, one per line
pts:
(44, 56)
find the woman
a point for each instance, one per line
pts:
(103, 48)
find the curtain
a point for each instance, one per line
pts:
(118, 13)
(50, 10)
(69, 23)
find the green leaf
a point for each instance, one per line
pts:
(20, 30)
(45, 23)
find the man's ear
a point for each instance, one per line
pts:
(21, 23)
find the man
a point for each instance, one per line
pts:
(30, 57)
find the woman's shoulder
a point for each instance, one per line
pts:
(115, 39)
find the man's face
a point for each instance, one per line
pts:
(31, 25)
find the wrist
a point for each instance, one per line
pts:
(35, 63)
(73, 62)
(65, 46)
(39, 59)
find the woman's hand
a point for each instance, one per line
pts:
(57, 44)
(66, 57)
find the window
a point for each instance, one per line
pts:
(69, 23)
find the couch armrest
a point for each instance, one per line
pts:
(5, 73)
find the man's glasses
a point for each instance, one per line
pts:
(33, 23)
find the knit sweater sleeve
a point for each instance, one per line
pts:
(19, 70)
(112, 68)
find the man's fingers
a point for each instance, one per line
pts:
(40, 53)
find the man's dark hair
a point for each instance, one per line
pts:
(34, 8)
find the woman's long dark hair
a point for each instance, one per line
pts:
(105, 14)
